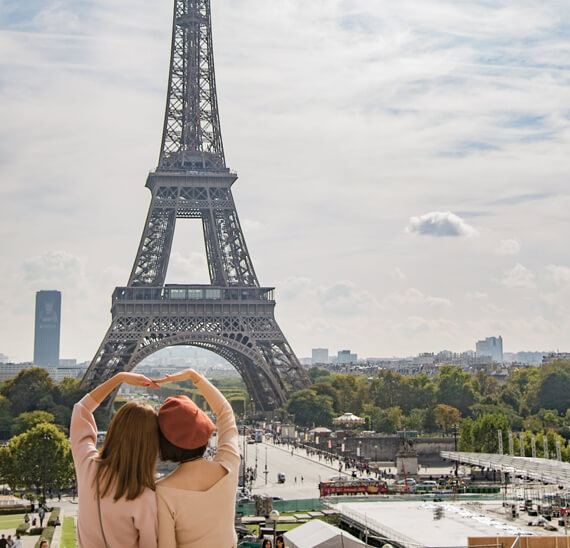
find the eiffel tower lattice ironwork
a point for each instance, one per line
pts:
(233, 316)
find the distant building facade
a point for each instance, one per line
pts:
(10, 370)
(319, 355)
(47, 328)
(553, 356)
(492, 347)
(346, 356)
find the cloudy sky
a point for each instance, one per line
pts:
(404, 165)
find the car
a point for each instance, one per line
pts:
(427, 483)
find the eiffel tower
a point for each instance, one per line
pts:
(232, 316)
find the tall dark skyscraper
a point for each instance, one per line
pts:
(48, 323)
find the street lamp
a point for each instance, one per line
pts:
(274, 516)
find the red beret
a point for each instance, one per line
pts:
(183, 423)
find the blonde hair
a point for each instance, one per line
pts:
(128, 457)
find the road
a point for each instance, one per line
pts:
(280, 459)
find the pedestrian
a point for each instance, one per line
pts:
(295, 480)
(279, 542)
(41, 515)
(10, 542)
(18, 542)
(266, 543)
(302, 479)
(44, 543)
(26, 518)
(117, 501)
(3, 542)
(199, 492)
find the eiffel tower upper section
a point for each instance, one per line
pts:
(192, 138)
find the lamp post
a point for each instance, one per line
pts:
(455, 446)
(46, 438)
(274, 516)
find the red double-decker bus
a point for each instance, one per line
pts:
(348, 486)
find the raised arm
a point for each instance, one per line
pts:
(83, 429)
(228, 442)
(227, 452)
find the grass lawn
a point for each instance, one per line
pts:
(11, 522)
(68, 539)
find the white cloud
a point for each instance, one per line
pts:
(344, 297)
(399, 274)
(440, 224)
(191, 268)
(414, 296)
(477, 295)
(560, 275)
(250, 225)
(519, 277)
(509, 246)
(53, 270)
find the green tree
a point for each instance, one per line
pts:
(387, 389)
(309, 408)
(455, 388)
(485, 430)
(31, 389)
(553, 387)
(327, 389)
(26, 421)
(352, 392)
(418, 392)
(416, 420)
(466, 435)
(387, 421)
(38, 459)
(446, 416)
(5, 418)
(318, 373)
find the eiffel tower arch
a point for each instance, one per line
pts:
(232, 316)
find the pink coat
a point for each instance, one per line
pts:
(127, 523)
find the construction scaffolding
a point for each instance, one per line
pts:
(546, 470)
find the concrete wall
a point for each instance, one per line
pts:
(385, 447)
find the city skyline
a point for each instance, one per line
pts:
(440, 225)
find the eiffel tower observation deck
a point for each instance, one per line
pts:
(233, 316)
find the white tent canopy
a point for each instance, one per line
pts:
(318, 534)
(348, 418)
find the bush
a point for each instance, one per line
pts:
(36, 531)
(46, 534)
(54, 516)
(22, 528)
(14, 510)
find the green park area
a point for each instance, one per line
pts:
(68, 534)
(10, 521)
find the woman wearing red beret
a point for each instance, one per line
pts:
(196, 503)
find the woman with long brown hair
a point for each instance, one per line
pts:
(117, 502)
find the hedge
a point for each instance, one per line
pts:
(22, 528)
(54, 516)
(46, 534)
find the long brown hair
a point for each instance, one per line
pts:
(128, 457)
